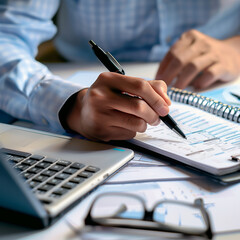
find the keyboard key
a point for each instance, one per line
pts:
(37, 157)
(43, 164)
(21, 167)
(29, 161)
(50, 160)
(92, 169)
(70, 170)
(53, 195)
(56, 168)
(40, 178)
(64, 162)
(48, 173)
(15, 152)
(77, 179)
(69, 185)
(60, 191)
(77, 165)
(34, 170)
(85, 174)
(40, 192)
(15, 159)
(54, 181)
(62, 176)
(27, 175)
(33, 184)
(46, 187)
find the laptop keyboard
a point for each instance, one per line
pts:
(49, 178)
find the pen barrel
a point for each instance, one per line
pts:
(106, 59)
(168, 120)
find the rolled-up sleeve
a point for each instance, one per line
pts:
(28, 90)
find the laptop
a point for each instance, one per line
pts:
(43, 175)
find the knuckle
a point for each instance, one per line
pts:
(163, 85)
(191, 33)
(192, 66)
(205, 46)
(210, 73)
(140, 107)
(177, 60)
(136, 124)
(142, 126)
(96, 97)
(104, 78)
(104, 75)
(140, 85)
(156, 103)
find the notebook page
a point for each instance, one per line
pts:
(211, 140)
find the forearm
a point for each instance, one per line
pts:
(35, 95)
(27, 88)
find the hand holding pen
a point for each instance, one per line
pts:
(113, 66)
(103, 112)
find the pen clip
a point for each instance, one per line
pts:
(116, 63)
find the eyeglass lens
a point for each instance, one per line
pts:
(179, 216)
(117, 206)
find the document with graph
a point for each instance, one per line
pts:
(212, 129)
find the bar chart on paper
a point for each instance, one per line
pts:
(211, 140)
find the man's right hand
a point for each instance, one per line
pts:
(116, 107)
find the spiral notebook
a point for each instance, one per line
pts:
(212, 129)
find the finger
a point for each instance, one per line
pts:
(209, 76)
(135, 86)
(104, 125)
(180, 58)
(163, 66)
(192, 69)
(184, 41)
(161, 88)
(134, 106)
(127, 121)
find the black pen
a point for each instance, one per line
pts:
(113, 66)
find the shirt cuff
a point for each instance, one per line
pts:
(47, 99)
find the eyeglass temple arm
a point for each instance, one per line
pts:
(200, 203)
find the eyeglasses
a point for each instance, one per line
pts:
(124, 210)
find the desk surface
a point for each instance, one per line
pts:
(62, 230)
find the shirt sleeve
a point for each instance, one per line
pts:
(28, 90)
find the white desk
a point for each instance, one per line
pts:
(61, 229)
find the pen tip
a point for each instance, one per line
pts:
(92, 43)
(179, 132)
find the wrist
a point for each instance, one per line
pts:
(234, 42)
(67, 111)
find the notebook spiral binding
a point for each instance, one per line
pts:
(206, 104)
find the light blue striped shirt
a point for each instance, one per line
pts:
(132, 30)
